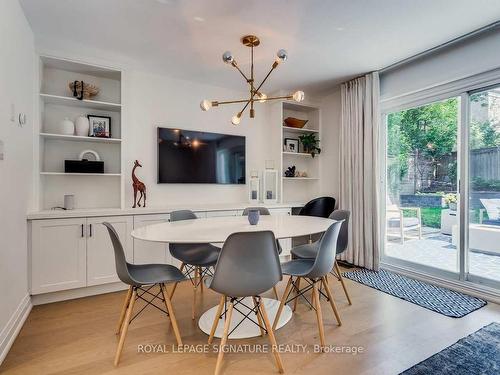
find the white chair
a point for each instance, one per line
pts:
(396, 219)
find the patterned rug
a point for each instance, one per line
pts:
(478, 354)
(435, 298)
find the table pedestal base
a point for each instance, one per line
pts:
(247, 328)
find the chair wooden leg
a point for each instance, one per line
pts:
(175, 284)
(227, 324)
(272, 339)
(124, 310)
(282, 302)
(200, 273)
(296, 295)
(332, 302)
(276, 293)
(216, 319)
(193, 309)
(170, 309)
(319, 315)
(125, 326)
(341, 279)
(259, 320)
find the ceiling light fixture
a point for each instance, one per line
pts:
(255, 94)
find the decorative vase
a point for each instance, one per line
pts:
(67, 127)
(253, 217)
(82, 126)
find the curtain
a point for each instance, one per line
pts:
(359, 140)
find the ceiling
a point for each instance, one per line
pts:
(328, 41)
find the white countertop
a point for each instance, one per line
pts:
(197, 207)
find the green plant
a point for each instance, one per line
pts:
(310, 143)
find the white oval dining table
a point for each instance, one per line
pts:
(217, 230)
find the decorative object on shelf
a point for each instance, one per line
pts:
(253, 216)
(67, 127)
(290, 171)
(293, 122)
(82, 90)
(451, 200)
(99, 126)
(69, 201)
(84, 165)
(138, 187)
(301, 174)
(82, 126)
(310, 144)
(291, 145)
(270, 185)
(255, 94)
(254, 186)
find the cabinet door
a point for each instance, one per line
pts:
(101, 267)
(58, 255)
(146, 251)
(286, 243)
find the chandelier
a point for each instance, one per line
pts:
(255, 94)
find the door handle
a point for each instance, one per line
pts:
(82, 231)
(90, 227)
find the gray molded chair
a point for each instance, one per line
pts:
(248, 265)
(265, 211)
(141, 279)
(320, 207)
(314, 272)
(308, 251)
(197, 260)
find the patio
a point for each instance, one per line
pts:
(436, 250)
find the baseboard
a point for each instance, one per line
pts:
(64, 295)
(484, 292)
(14, 325)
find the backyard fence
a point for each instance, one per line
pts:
(485, 163)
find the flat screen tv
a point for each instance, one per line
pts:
(192, 157)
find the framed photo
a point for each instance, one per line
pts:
(100, 126)
(291, 145)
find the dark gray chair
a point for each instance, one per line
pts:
(248, 265)
(314, 272)
(197, 260)
(308, 251)
(320, 207)
(264, 211)
(141, 280)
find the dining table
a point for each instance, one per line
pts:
(217, 230)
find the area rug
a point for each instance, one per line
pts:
(435, 298)
(478, 354)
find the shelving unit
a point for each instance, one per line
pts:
(91, 190)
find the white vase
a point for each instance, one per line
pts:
(82, 126)
(67, 127)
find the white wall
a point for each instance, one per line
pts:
(17, 66)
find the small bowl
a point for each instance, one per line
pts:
(293, 122)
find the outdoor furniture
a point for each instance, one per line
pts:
(448, 220)
(483, 238)
(492, 207)
(397, 220)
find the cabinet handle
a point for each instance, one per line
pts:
(90, 230)
(82, 231)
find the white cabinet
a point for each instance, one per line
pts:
(58, 255)
(101, 268)
(146, 251)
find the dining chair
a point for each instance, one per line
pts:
(314, 272)
(264, 211)
(309, 251)
(248, 266)
(197, 260)
(141, 280)
(320, 207)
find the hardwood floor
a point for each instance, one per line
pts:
(77, 337)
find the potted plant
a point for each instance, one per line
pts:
(451, 200)
(310, 143)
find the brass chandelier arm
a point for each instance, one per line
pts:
(265, 78)
(239, 70)
(248, 101)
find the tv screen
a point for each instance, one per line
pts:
(191, 157)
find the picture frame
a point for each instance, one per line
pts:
(99, 126)
(291, 145)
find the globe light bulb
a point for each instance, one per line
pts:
(227, 57)
(298, 96)
(281, 56)
(205, 105)
(262, 97)
(235, 120)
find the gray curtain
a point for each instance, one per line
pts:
(359, 140)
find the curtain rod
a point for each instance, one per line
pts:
(454, 41)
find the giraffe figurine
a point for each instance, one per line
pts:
(138, 187)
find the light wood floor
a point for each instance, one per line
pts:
(77, 337)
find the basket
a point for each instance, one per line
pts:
(89, 90)
(293, 122)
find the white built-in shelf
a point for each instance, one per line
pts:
(80, 174)
(298, 154)
(299, 130)
(300, 178)
(76, 138)
(85, 103)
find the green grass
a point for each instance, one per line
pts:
(431, 216)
